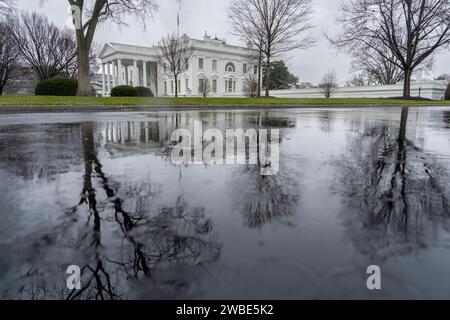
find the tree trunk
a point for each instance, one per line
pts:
(176, 85)
(267, 84)
(407, 84)
(258, 93)
(84, 78)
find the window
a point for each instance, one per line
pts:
(255, 69)
(165, 88)
(165, 68)
(244, 68)
(171, 86)
(230, 67)
(230, 85)
(200, 85)
(214, 65)
(200, 63)
(187, 85)
(214, 86)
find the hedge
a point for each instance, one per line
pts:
(124, 91)
(145, 92)
(57, 87)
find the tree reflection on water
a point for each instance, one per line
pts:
(396, 193)
(260, 199)
(117, 248)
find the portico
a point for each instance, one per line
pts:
(128, 65)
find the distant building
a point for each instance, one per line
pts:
(224, 66)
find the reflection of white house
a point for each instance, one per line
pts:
(224, 66)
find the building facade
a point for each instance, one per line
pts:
(225, 68)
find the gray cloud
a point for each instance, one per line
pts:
(198, 16)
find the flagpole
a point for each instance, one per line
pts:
(178, 18)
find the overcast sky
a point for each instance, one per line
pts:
(198, 16)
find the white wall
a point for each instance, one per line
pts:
(434, 90)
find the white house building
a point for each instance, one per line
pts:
(226, 67)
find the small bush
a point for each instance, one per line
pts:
(124, 91)
(57, 87)
(145, 92)
(447, 93)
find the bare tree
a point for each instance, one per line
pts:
(328, 84)
(376, 69)
(48, 50)
(9, 57)
(272, 26)
(251, 86)
(444, 76)
(358, 80)
(6, 6)
(204, 87)
(175, 54)
(87, 16)
(405, 33)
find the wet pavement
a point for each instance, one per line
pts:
(356, 187)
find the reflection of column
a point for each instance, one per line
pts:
(108, 80)
(114, 73)
(135, 74)
(119, 71)
(103, 80)
(144, 68)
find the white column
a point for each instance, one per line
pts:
(144, 68)
(114, 74)
(119, 71)
(135, 74)
(108, 81)
(103, 80)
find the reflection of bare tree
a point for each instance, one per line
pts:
(326, 120)
(39, 155)
(176, 234)
(394, 190)
(446, 118)
(264, 199)
(119, 235)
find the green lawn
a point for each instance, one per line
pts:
(134, 101)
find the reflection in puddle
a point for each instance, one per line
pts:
(355, 187)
